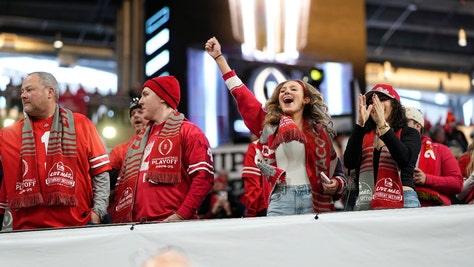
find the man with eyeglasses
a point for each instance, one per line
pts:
(437, 174)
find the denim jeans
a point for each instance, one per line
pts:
(411, 199)
(290, 200)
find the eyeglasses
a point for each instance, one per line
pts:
(134, 100)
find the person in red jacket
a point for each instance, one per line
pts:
(55, 164)
(118, 153)
(437, 175)
(168, 169)
(257, 188)
(466, 163)
(295, 136)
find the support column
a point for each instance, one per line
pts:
(337, 33)
(130, 46)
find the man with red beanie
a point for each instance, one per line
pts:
(168, 169)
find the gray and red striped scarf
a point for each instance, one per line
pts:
(59, 185)
(164, 164)
(384, 191)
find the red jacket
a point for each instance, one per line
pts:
(92, 160)
(443, 176)
(254, 115)
(464, 161)
(156, 202)
(117, 155)
(257, 189)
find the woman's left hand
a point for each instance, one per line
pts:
(330, 188)
(378, 110)
(213, 47)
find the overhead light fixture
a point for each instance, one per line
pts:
(387, 69)
(462, 37)
(57, 42)
(270, 29)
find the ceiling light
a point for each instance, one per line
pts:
(387, 69)
(58, 43)
(270, 29)
(462, 37)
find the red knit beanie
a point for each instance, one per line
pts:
(166, 87)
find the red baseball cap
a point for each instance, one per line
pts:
(385, 89)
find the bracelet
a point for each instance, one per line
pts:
(385, 125)
(217, 56)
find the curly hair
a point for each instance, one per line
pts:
(315, 112)
(396, 120)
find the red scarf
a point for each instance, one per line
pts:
(164, 165)
(320, 157)
(59, 186)
(323, 158)
(287, 131)
(386, 190)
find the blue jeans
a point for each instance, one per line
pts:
(290, 200)
(411, 199)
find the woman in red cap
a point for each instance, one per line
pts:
(295, 150)
(383, 151)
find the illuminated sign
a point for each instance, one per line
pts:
(158, 36)
(264, 81)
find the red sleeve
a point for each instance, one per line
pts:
(257, 187)
(117, 155)
(197, 160)
(251, 176)
(3, 191)
(249, 107)
(97, 155)
(463, 161)
(3, 199)
(450, 180)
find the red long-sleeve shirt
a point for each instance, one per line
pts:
(441, 168)
(156, 202)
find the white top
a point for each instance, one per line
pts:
(291, 157)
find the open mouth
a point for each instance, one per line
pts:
(288, 100)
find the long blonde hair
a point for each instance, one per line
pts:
(315, 112)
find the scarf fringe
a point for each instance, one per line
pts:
(28, 201)
(288, 136)
(424, 196)
(169, 178)
(60, 198)
(131, 167)
(61, 152)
